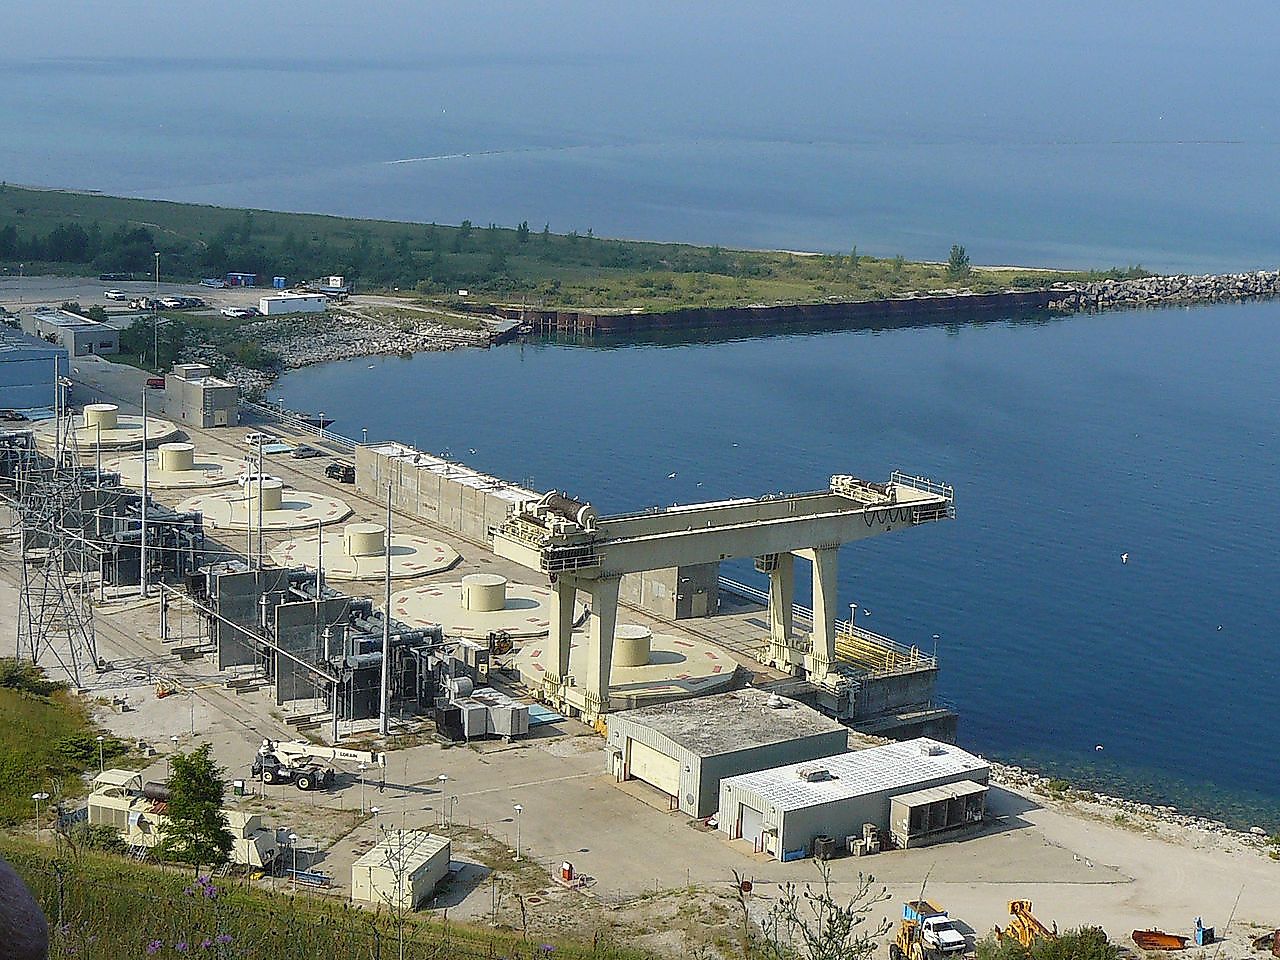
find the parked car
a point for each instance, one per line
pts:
(304, 452)
(172, 303)
(109, 277)
(115, 295)
(342, 472)
(192, 301)
(237, 313)
(213, 282)
(253, 439)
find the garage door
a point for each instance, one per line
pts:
(654, 767)
(751, 822)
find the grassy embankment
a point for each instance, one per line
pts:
(47, 741)
(89, 233)
(108, 908)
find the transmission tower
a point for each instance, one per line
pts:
(55, 616)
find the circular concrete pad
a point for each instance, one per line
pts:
(207, 470)
(527, 612)
(298, 509)
(410, 557)
(678, 667)
(125, 435)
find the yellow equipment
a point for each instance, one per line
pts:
(1024, 927)
(907, 942)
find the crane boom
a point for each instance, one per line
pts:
(293, 750)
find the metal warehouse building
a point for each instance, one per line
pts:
(26, 370)
(687, 747)
(914, 791)
(402, 870)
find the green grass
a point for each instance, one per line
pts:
(493, 263)
(108, 908)
(47, 741)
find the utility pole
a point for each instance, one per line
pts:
(259, 498)
(142, 555)
(385, 703)
(155, 317)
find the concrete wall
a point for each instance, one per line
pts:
(676, 593)
(451, 497)
(236, 599)
(299, 628)
(889, 693)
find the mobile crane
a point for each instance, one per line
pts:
(278, 761)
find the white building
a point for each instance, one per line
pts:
(401, 870)
(687, 747)
(913, 792)
(281, 303)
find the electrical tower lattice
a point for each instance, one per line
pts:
(55, 615)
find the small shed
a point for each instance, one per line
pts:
(402, 870)
(685, 748)
(282, 303)
(936, 786)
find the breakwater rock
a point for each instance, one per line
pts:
(1167, 291)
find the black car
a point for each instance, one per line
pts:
(342, 472)
(303, 452)
(115, 276)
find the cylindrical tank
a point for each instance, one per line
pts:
(364, 539)
(270, 488)
(484, 592)
(176, 457)
(631, 643)
(459, 687)
(104, 415)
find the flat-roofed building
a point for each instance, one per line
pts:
(80, 336)
(913, 792)
(685, 748)
(193, 395)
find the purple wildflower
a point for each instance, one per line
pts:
(181, 946)
(547, 948)
(223, 938)
(154, 947)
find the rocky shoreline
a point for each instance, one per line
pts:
(1137, 813)
(1165, 291)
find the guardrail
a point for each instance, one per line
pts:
(297, 423)
(856, 643)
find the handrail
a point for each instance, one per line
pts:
(297, 423)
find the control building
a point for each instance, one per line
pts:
(402, 870)
(193, 395)
(915, 792)
(687, 747)
(78, 335)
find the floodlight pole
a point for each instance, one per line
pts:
(385, 702)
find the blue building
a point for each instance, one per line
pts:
(27, 370)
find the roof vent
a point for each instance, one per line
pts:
(813, 774)
(930, 749)
(776, 702)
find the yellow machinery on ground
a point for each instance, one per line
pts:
(907, 942)
(1024, 927)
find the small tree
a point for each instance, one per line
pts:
(195, 829)
(958, 262)
(810, 924)
(853, 259)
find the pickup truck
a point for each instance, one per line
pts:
(937, 929)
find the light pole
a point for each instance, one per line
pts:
(37, 797)
(363, 768)
(102, 766)
(519, 810)
(320, 422)
(375, 811)
(364, 434)
(443, 780)
(155, 315)
(452, 800)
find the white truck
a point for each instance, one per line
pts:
(938, 931)
(278, 761)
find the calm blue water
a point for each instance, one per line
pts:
(1068, 442)
(1089, 134)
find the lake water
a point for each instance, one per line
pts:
(1089, 134)
(1069, 442)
